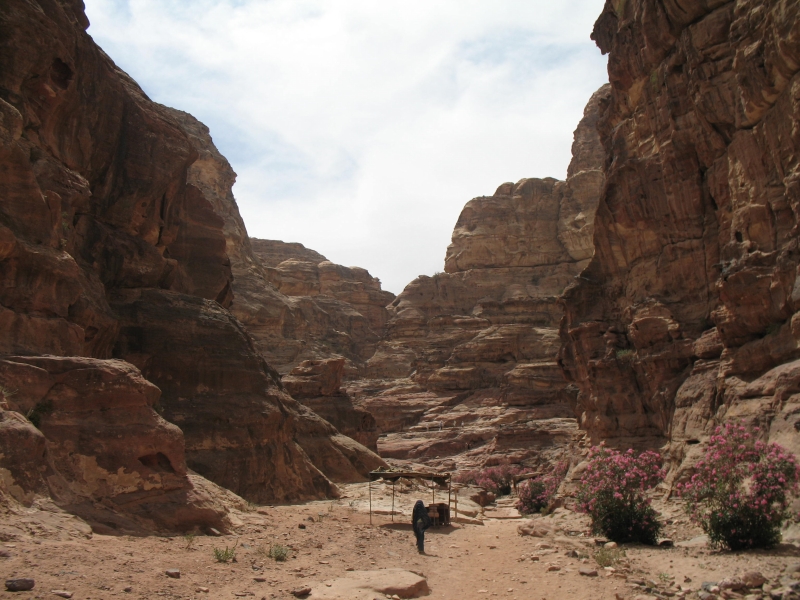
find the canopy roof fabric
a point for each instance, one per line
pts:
(439, 478)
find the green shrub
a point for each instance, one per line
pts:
(226, 555)
(278, 552)
(608, 557)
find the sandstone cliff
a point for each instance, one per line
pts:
(467, 373)
(118, 233)
(687, 314)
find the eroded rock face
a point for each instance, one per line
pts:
(98, 447)
(686, 315)
(317, 384)
(330, 310)
(468, 366)
(118, 236)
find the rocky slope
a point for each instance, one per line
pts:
(331, 310)
(688, 313)
(118, 233)
(467, 373)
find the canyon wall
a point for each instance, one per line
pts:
(687, 314)
(120, 239)
(467, 372)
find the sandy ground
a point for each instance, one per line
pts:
(462, 561)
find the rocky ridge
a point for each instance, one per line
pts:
(467, 372)
(120, 239)
(687, 314)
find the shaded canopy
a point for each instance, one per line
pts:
(438, 478)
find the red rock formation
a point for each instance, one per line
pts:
(469, 362)
(317, 384)
(686, 315)
(321, 309)
(98, 446)
(107, 196)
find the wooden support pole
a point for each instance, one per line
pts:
(370, 501)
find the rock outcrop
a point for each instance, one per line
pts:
(93, 441)
(317, 384)
(687, 314)
(468, 366)
(326, 310)
(118, 236)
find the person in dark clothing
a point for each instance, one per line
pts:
(420, 521)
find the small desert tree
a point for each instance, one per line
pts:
(612, 492)
(739, 492)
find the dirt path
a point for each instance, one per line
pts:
(464, 561)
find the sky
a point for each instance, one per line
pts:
(360, 128)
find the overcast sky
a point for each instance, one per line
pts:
(360, 128)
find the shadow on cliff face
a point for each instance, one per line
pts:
(113, 244)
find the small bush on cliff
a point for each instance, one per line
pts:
(612, 493)
(739, 492)
(496, 480)
(536, 494)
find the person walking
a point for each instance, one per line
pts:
(420, 521)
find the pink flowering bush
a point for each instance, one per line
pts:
(536, 494)
(739, 492)
(493, 479)
(612, 493)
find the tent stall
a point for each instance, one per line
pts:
(442, 479)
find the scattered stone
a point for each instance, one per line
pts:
(731, 583)
(610, 545)
(666, 543)
(5, 553)
(214, 532)
(202, 590)
(349, 569)
(301, 592)
(20, 585)
(707, 585)
(600, 541)
(259, 579)
(553, 568)
(301, 526)
(572, 554)
(534, 529)
(174, 573)
(128, 589)
(753, 579)
(586, 572)
(61, 593)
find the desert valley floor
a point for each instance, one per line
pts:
(333, 547)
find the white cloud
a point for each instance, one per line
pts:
(361, 127)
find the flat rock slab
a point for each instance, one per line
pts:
(364, 585)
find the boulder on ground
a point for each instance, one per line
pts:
(365, 584)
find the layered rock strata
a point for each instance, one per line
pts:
(331, 310)
(687, 314)
(118, 232)
(93, 442)
(317, 384)
(467, 373)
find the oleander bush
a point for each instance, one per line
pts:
(537, 494)
(740, 490)
(497, 480)
(612, 492)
